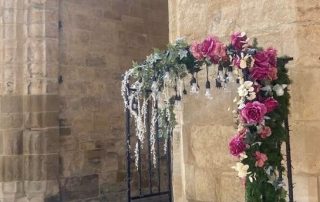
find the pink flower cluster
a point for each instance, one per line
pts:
(264, 67)
(211, 48)
(237, 145)
(261, 158)
(239, 40)
(253, 112)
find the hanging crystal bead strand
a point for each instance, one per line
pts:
(177, 97)
(208, 90)
(194, 85)
(184, 88)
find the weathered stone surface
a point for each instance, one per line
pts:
(206, 185)
(39, 103)
(76, 188)
(231, 184)
(41, 167)
(41, 119)
(11, 168)
(12, 142)
(306, 188)
(11, 104)
(208, 147)
(41, 142)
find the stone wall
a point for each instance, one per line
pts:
(29, 100)
(99, 40)
(61, 129)
(201, 162)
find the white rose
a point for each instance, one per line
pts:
(279, 89)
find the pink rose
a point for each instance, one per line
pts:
(261, 158)
(237, 145)
(210, 48)
(264, 65)
(196, 51)
(236, 61)
(271, 104)
(239, 40)
(253, 112)
(272, 53)
(219, 53)
(265, 132)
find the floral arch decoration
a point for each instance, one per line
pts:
(262, 102)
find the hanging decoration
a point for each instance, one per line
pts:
(262, 102)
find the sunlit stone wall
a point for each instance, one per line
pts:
(201, 162)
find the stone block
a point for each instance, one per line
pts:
(110, 162)
(36, 30)
(206, 185)
(36, 48)
(189, 182)
(41, 141)
(40, 103)
(52, 30)
(64, 131)
(80, 187)
(303, 136)
(90, 145)
(52, 46)
(300, 98)
(42, 119)
(91, 103)
(9, 32)
(12, 188)
(35, 186)
(95, 61)
(203, 150)
(307, 11)
(51, 16)
(35, 16)
(10, 54)
(231, 188)
(11, 120)
(51, 4)
(41, 167)
(309, 46)
(11, 104)
(306, 188)
(11, 168)
(12, 142)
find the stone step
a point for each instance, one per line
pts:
(163, 198)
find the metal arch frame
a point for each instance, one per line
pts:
(169, 159)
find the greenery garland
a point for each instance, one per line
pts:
(262, 105)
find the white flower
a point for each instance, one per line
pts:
(266, 88)
(242, 169)
(241, 106)
(248, 84)
(252, 177)
(245, 88)
(279, 89)
(243, 63)
(252, 96)
(243, 156)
